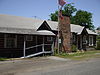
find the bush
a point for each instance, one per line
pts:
(3, 59)
(98, 45)
(74, 48)
(55, 51)
(98, 42)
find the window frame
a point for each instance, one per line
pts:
(31, 38)
(5, 41)
(74, 37)
(90, 40)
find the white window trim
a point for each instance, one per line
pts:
(89, 41)
(5, 46)
(28, 39)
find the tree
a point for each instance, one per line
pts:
(98, 28)
(68, 10)
(54, 16)
(98, 38)
(83, 18)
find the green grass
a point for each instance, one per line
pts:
(3, 59)
(80, 55)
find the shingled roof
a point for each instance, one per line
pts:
(74, 28)
(22, 25)
(19, 22)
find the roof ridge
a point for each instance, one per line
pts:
(21, 17)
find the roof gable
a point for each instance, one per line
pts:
(91, 32)
(44, 26)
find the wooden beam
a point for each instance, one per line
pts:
(24, 49)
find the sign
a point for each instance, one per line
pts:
(59, 40)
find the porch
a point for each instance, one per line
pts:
(25, 45)
(44, 45)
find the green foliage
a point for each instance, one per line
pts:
(80, 55)
(55, 51)
(98, 38)
(68, 10)
(83, 18)
(98, 28)
(54, 16)
(98, 45)
(98, 42)
(3, 59)
(73, 48)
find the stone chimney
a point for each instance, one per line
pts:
(65, 33)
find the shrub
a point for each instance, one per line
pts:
(98, 45)
(55, 51)
(98, 42)
(73, 48)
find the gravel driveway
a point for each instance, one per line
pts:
(37, 66)
(22, 65)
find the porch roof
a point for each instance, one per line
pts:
(24, 31)
(45, 32)
(91, 32)
(76, 28)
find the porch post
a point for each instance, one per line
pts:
(43, 45)
(81, 41)
(36, 43)
(53, 48)
(24, 50)
(77, 42)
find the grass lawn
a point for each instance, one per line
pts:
(3, 59)
(80, 55)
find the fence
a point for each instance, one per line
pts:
(38, 49)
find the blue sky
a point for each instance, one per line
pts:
(42, 8)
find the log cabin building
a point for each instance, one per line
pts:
(26, 37)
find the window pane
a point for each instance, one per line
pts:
(91, 40)
(10, 41)
(29, 38)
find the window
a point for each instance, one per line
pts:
(84, 39)
(74, 37)
(29, 38)
(90, 40)
(49, 38)
(10, 41)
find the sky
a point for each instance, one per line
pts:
(41, 9)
